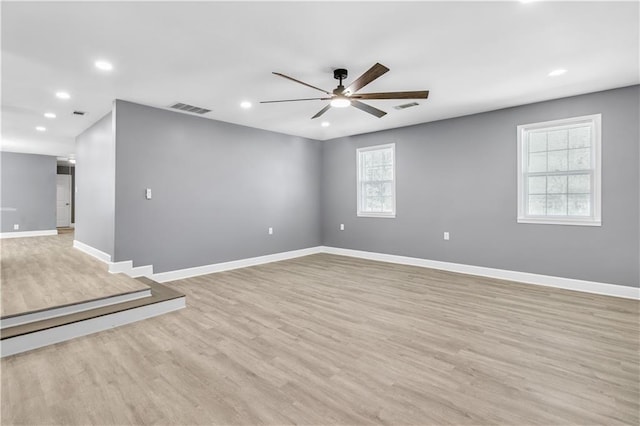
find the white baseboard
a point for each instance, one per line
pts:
(27, 342)
(59, 311)
(125, 267)
(163, 277)
(94, 252)
(128, 268)
(522, 277)
(21, 234)
(503, 274)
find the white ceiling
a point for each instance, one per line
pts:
(472, 56)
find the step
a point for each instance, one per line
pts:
(71, 308)
(33, 335)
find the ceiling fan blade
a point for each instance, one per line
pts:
(301, 82)
(322, 111)
(368, 108)
(374, 72)
(295, 100)
(418, 94)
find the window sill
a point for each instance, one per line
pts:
(571, 222)
(378, 215)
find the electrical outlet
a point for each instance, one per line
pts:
(147, 193)
(342, 226)
(446, 236)
(270, 231)
(16, 227)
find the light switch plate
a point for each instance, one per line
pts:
(147, 193)
(270, 231)
(446, 236)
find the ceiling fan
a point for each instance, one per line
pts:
(343, 97)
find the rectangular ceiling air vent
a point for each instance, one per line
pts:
(405, 106)
(79, 113)
(189, 108)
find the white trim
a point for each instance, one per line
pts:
(21, 234)
(72, 309)
(72, 225)
(595, 121)
(503, 274)
(359, 213)
(127, 267)
(163, 277)
(100, 255)
(577, 221)
(50, 336)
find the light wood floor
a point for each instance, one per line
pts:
(43, 272)
(333, 340)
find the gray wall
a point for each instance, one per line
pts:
(216, 187)
(95, 180)
(459, 175)
(28, 192)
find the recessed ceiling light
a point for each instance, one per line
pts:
(325, 124)
(245, 104)
(49, 115)
(103, 65)
(41, 129)
(557, 72)
(62, 95)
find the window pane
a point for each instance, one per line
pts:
(537, 185)
(557, 140)
(378, 204)
(537, 205)
(556, 205)
(580, 137)
(387, 204)
(373, 189)
(537, 142)
(580, 159)
(383, 172)
(372, 204)
(579, 205)
(580, 184)
(557, 161)
(538, 162)
(557, 184)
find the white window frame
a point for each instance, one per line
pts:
(595, 121)
(361, 213)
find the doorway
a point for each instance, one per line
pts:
(63, 201)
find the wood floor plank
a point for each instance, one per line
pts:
(327, 339)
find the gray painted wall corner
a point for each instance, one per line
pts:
(459, 175)
(95, 181)
(216, 189)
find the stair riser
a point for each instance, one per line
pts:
(38, 339)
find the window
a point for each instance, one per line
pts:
(559, 172)
(376, 181)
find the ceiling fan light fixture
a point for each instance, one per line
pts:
(340, 102)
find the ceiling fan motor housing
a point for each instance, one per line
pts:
(340, 74)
